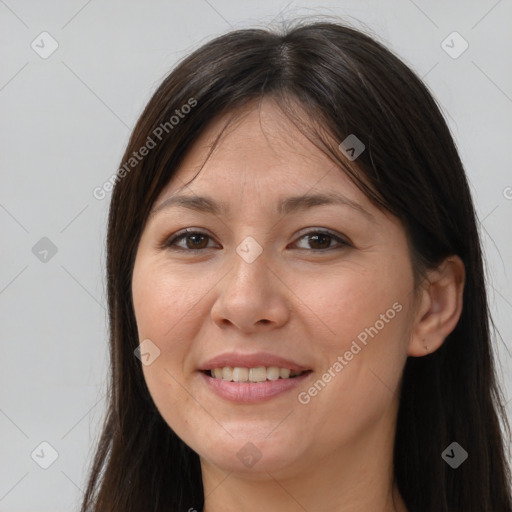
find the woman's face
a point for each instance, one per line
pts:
(317, 285)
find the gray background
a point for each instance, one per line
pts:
(65, 121)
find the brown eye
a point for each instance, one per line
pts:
(321, 240)
(317, 241)
(194, 241)
(197, 241)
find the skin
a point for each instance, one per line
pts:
(335, 452)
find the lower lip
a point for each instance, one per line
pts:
(252, 392)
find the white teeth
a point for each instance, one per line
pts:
(272, 373)
(240, 375)
(284, 373)
(226, 373)
(258, 374)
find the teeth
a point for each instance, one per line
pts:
(273, 373)
(284, 373)
(258, 374)
(240, 375)
(227, 373)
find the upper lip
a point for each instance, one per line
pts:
(234, 359)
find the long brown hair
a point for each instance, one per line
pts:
(342, 82)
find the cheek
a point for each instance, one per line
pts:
(164, 307)
(164, 300)
(160, 305)
(351, 302)
(366, 324)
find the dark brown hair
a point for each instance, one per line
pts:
(333, 81)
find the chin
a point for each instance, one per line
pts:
(257, 457)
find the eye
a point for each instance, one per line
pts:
(322, 239)
(192, 240)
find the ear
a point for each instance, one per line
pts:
(440, 307)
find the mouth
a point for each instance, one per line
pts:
(253, 375)
(244, 385)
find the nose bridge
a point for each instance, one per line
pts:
(249, 265)
(250, 294)
(249, 249)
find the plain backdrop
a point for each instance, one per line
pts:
(65, 121)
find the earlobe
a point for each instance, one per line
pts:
(439, 308)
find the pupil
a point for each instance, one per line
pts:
(316, 237)
(194, 243)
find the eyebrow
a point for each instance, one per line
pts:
(285, 207)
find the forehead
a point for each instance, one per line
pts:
(261, 152)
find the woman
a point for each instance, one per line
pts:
(296, 292)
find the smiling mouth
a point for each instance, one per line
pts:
(257, 374)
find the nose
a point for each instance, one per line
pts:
(251, 297)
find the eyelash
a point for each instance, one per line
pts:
(170, 243)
